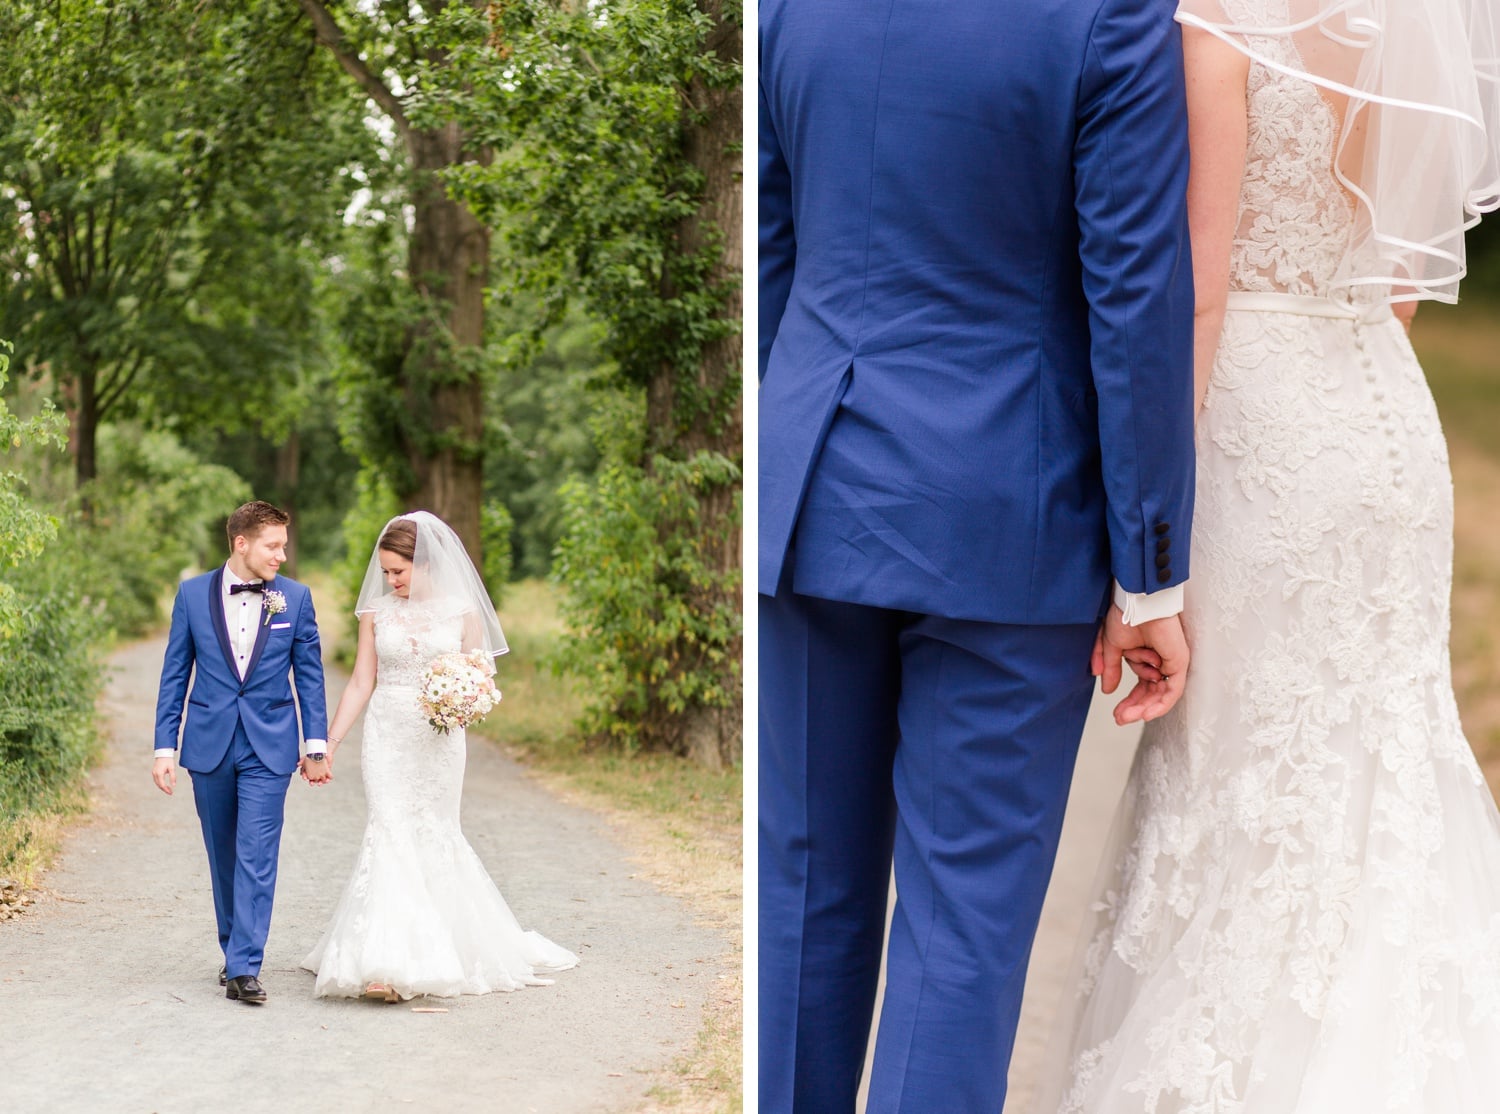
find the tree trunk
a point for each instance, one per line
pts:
(712, 143)
(84, 436)
(449, 267)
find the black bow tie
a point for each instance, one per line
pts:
(248, 586)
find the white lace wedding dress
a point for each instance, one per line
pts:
(420, 912)
(1300, 909)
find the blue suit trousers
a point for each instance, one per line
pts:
(240, 806)
(947, 747)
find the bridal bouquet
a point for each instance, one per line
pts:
(457, 690)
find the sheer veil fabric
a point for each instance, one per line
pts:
(444, 583)
(1416, 86)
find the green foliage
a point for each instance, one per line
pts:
(604, 120)
(540, 404)
(51, 679)
(495, 526)
(169, 177)
(24, 528)
(376, 314)
(158, 511)
(638, 570)
(593, 185)
(49, 639)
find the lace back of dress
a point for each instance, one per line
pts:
(1296, 218)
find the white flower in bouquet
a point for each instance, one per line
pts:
(457, 690)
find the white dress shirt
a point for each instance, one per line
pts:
(242, 619)
(1142, 607)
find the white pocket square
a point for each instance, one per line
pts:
(280, 626)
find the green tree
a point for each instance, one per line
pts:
(432, 365)
(162, 170)
(617, 182)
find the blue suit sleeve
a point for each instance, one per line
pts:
(778, 241)
(307, 673)
(176, 670)
(1130, 182)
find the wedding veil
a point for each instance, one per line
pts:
(444, 583)
(1419, 149)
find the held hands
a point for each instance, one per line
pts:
(1158, 655)
(164, 772)
(319, 772)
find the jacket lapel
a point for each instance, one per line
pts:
(216, 614)
(262, 632)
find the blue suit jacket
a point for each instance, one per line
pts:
(219, 701)
(976, 304)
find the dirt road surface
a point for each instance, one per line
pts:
(109, 999)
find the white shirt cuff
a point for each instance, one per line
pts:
(1145, 607)
(166, 752)
(316, 746)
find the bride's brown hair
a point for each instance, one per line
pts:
(400, 538)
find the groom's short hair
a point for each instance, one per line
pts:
(250, 519)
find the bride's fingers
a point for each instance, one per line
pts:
(1145, 664)
(1144, 702)
(1151, 699)
(1164, 695)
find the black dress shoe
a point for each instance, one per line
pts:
(245, 988)
(223, 975)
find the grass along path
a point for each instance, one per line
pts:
(682, 825)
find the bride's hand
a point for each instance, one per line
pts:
(1158, 655)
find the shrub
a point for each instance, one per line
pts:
(51, 679)
(49, 641)
(495, 527)
(653, 628)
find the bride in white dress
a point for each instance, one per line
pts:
(1300, 907)
(420, 915)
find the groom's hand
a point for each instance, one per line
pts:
(316, 773)
(164, 773)
(1158, 655)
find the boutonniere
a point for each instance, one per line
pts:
(272, 603)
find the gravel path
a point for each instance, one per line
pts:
(108, 987)
(1103, 765)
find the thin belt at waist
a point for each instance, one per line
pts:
(1303, 305)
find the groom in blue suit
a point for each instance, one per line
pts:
(239, 632)
(975, 444)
